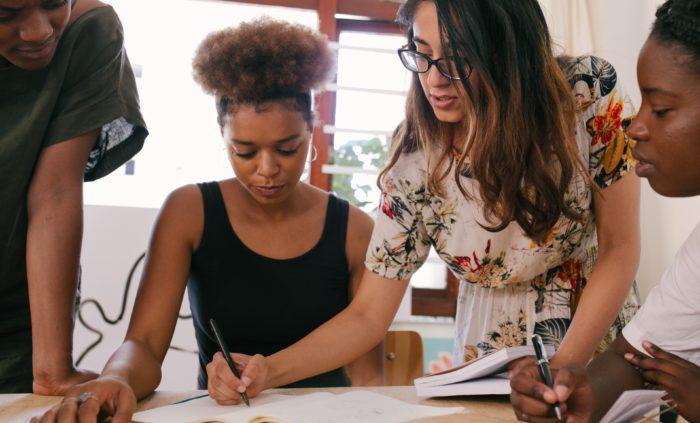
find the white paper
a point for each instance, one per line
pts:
(322, 407)
(198, 409)
(485, 386)
(632, 405)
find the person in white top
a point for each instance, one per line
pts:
(661, 345)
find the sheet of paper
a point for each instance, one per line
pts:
(201, 408)
(632, 405)
(485, 386)
(321, 407)
(352, 407)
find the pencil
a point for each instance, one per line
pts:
(227, 356)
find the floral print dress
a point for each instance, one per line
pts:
(510, 286)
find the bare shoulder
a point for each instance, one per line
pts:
(183, 211)
(360, 224)
(83, 6)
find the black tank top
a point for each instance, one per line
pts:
(264, 305)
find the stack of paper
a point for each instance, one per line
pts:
(322, 407)
(481, 376)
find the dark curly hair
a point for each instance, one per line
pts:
(678, 22)
(262, 61)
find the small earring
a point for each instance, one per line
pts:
(314, 153)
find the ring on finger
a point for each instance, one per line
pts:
(86, 396)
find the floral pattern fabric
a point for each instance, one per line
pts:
(510, 286)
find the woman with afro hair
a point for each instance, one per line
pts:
(661, 345)
(266, 255)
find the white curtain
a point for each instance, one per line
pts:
(570, 25)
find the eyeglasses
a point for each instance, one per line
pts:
(421, 63)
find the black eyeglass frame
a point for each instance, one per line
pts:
(431, 62)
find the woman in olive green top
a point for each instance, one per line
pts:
(68, 112)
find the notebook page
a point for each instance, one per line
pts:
(352, 407)
(632, 405)
(199, 409)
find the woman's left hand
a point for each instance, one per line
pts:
(679, 377)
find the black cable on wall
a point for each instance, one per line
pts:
(119, 318)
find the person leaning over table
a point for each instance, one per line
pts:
(524, 193)
(661, 345)
(69, 112)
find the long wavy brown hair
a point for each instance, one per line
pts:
(520, 118)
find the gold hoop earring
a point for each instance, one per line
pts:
(314, 154)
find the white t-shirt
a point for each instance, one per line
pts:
(670, 317)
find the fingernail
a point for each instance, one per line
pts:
(524, 417)
(560, 390)
(550, 396)
(510, 374)
(246, 380)
(648, 345)
(241, 388)
(629, 356)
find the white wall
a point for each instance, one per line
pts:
(114, 238)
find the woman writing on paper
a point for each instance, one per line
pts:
(268, 256)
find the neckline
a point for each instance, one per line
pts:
(302, 256)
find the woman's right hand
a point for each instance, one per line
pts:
(106, 395)
(225, 388)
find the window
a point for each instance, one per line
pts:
(370, 96)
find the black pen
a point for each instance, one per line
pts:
(227, 356)
(543, 365)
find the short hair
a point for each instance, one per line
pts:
(261, 61)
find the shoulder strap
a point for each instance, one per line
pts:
(336, 225)
(214, 208)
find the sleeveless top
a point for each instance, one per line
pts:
(263, 305)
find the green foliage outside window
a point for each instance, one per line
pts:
(368, 154)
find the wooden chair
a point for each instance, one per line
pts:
(403, 358)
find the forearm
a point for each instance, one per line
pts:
(136, 364)
(601, 301)
(53, 254)
(368, 370)
(332, 345)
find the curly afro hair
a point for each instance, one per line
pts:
(263, 60)
(678, 21)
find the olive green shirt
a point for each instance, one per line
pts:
(88, 85)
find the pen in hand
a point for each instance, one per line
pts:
(227, 356)
(543, 365)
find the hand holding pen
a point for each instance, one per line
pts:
(543, 365)
(227, 356)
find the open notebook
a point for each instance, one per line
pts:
(481, 376)
(321, 407)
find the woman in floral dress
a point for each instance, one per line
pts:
(525, 241)
(518, 182)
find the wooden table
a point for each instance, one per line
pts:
(487, 409)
